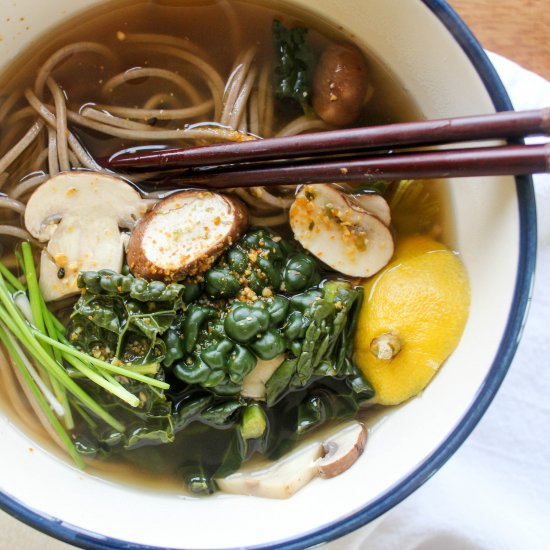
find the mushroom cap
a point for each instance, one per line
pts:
(339, 232)
(184, 233)
(342, 450)
(82, 193)
(374, 204)
(80, 214)
(340, 84)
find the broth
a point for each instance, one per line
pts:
(205, 24)
(217, 32)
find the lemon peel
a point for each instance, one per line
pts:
(412, 318)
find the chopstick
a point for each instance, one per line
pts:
(504, 125)
(486, 161)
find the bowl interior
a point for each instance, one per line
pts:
(417, 47)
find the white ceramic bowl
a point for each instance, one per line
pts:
(444, 68)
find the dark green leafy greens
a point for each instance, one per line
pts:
(217, 343)
(33, 334)
(320, 331)
(293, 65)
(122, 316)
(110, 283)
(151, 422)
(264, 299)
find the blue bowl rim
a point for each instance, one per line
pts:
(506, 351)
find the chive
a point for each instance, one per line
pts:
(61, 395)
(46, 342)
(119, 390)
(98, 362)
(21, 300)
(19, 259)
(11, 278)
(56, 424)
(56, 322)
(58, 388)
(87, 418)
(149, 368)
(56, 406)
(25, 334)
(32, 286)
(51, 318)
(110, 378)
(35, 299)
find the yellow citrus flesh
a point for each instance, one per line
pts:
(419, 303)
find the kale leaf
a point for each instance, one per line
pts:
(293, 65)
(123, 317)
(265, 297)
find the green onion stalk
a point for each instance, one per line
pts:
(35, 340)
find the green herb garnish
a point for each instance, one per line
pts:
(35, 340)
(293, 65)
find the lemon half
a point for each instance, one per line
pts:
(412, 318)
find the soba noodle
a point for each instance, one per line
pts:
(247, 107)
(228, 111)
(147, 89)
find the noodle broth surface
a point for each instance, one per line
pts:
(139, 36)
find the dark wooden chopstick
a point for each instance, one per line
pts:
(485, 161)
(505, 125)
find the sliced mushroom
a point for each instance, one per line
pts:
(376, 205)
(80, 214)
(279, 479)
(184, 233)
(253, 386)
(326, 458)
(339, 232)
(342, 450)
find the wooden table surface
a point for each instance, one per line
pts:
(516, 29)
